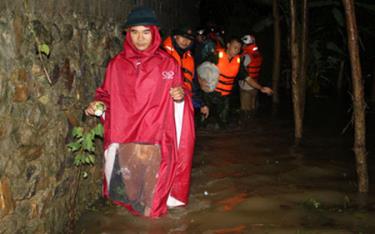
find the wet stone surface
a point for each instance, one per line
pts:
(250, 180)
(53, 55)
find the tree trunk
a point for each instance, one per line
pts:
(358, 98)
(304, 55)
(276, 52)
(298, 127)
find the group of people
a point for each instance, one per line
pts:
(149, 94)
(199, 54)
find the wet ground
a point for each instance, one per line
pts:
(250, 179)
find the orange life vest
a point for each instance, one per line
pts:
(256, 60)
(228, 72)
(186, 62)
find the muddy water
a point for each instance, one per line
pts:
(251, 180)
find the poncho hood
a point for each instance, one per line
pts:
(130, 51)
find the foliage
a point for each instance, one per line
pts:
(366, 6)
(324, 60)
(83, 149)
(328, 39)
(339, 17)
(83, 144)
(327, 46)
(44, 49)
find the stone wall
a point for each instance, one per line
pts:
(42, 98)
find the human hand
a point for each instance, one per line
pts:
(93, 108)
(177, 94)
(266, 90)
(205, 111)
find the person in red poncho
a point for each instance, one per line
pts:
(148, 123)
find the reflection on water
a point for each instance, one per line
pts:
(251, 180)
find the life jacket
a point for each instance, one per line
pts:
(186, 62)
(256, 60)
(228, 72)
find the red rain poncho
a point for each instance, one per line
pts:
(148, 138)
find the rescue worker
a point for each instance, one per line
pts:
(208, 48)
(252, 61)
(214, 41)
(200, 42)
(228, 63)
(231, 69)
(219, 37)
(179, 46)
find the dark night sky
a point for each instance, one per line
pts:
(251, 16)
(234, 16)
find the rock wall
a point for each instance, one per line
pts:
(42, 98)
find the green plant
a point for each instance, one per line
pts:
(83, 149)
(83, 144)
(42, 48)
(312, 203)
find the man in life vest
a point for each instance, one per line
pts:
(228, 63)
(179, 46)
(252, 62)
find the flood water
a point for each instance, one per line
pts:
(250, 179)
